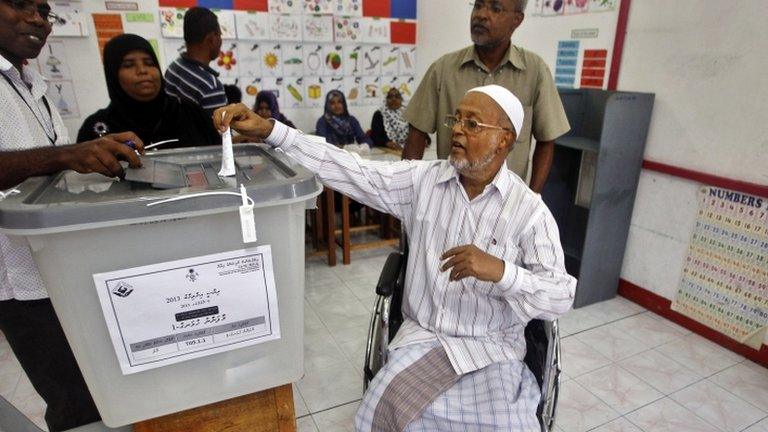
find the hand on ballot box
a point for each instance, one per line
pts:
(103, 155)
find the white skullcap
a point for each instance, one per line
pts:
(508, 102)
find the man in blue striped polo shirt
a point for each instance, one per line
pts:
(190, 77)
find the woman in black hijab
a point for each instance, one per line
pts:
(138, 102)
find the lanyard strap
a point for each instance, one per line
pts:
(34, 112)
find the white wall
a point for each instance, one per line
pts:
(706, 62)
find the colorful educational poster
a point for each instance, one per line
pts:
(271, 60)
(172, 22)
(576, 6)
(293, 60)
(62, 96)
(347, 29)
(52, 61)
(566, 64)
(725, 275)
(353, 60)
(552, 7)
(73, 21)
(294, 94)
(335, 83)
(314, 57)
(387, 83)
(389, 60)
(285, 27)
(352, 90)
(593, 68)
(108, 25)
(285, 6)
(250, 86)
(315, 90)
(227, 64)
(333, 60)
(276, 86)
(407, 85)
(371, 89)
(318, 6)
(318, 28)
(371, 60)
(602, 5)
(252, 25)
(250, 60)
(349, 8)
(227, 24)
(407, 60)
(375, 30)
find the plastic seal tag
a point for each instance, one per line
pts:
(247, 219)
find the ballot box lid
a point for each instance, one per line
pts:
(69, 201)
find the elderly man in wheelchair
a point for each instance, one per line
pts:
(485, 260)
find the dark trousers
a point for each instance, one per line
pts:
(35, 336)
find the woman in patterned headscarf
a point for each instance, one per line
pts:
(337, 126)
(388, 126)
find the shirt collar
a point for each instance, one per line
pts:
(5, 65)
(513, 57)
(28, 76)
(197, 63)
(502, 181)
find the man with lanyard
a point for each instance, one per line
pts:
(492, 59)
(33, 142)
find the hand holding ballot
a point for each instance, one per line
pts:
(240, 118)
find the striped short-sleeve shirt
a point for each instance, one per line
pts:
(187, 79)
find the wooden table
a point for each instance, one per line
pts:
(325, 221)
(266, 411)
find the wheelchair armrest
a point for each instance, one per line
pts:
(389, 274)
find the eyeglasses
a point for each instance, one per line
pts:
(493, 6)
(29, 7)
(470, 126)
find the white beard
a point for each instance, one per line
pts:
(470, 169)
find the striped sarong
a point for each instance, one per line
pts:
(418, 391)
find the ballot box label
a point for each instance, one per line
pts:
(174, 311)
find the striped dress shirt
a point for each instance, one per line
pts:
(476, 322)
(190, 80)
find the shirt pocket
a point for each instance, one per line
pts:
(505, 249)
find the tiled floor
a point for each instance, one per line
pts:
(625, 369)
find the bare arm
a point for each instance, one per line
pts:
(542, 162)
(101, 156)
(415, 144)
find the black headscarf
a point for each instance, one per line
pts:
(160, 119)
(141, 117)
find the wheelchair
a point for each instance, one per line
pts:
(542, 339)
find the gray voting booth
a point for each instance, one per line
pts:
(591, 187)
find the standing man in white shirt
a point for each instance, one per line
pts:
(485, 259)
(33, 141)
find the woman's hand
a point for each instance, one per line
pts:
(243, 120)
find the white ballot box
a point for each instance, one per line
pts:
(166, 306)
